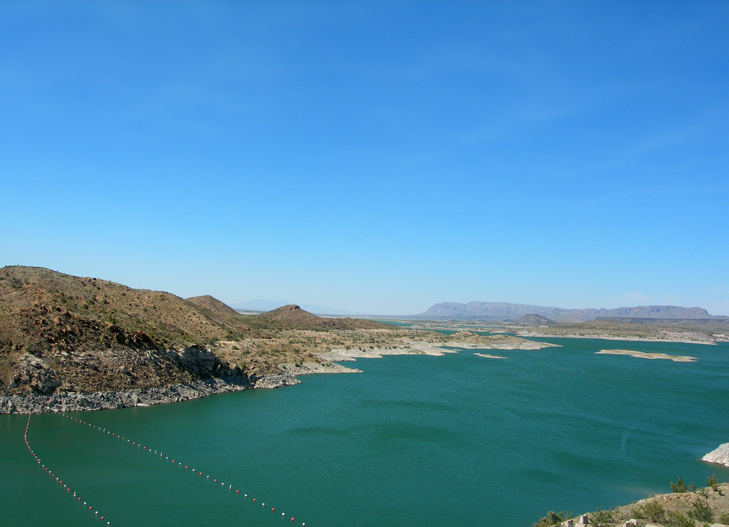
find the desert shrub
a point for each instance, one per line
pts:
(653, 511)
(553, 518)
(712, 483)
(724, 519)
(702, 512)
(601, 518)
(679, 486)
(676, 519)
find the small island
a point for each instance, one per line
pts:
(651, 356)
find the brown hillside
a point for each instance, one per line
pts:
(294, 316)
(213, 304)
(167, 319)
(63, 333)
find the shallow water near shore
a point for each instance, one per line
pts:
(413, 441)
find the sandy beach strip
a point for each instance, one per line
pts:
(651, 356)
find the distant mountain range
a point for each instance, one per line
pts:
(504, 311)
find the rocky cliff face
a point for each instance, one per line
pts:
(83, 372)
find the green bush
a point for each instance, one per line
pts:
(702, 511)
(653, 511)
(676, 519)
(678, 487)
(553, 518)
(601, 518)
(724, 518)
(712, 483)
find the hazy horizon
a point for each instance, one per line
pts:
(372, 157)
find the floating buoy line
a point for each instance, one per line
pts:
(157, 453)
(63, 485)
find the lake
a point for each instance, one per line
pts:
(457, 440)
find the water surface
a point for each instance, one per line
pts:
(453, 440)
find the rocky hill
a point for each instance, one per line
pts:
(533, 320)
(505, 312)
(212, 304)
(293, 316)
(63, 333)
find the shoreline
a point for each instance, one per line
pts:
(649, 356)
(431, 348)
(626, 339)
(142, 397)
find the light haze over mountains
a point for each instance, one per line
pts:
(504, 311)
(372, 157)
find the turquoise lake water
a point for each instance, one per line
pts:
(456, 440)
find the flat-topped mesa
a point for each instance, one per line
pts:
(505, 311)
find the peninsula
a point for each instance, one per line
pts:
(75, 343)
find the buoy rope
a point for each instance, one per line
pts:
(174, 460)
(52, 474)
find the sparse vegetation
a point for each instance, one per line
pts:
(679, 487)
(653, 511)
(553, 518)
(701, 511)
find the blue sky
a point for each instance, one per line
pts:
(373, 156)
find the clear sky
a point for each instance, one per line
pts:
(377, 157)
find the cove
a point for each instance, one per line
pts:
(414, 440)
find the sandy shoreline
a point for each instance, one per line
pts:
(429, 348)
(649, 356)
(626, 339)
